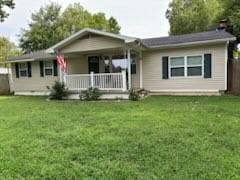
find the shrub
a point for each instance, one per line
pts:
(133, 95)
(58, 91)
(92, 94)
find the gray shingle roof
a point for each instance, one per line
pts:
(188, 38)
(37, 55)
(150, 43)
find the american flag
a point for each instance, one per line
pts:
(61, 62)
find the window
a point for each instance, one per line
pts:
(23, 70)
(107, 61)
(186, 66)
(48, 68)
(133, 64)
(177, 65)
(194, 65)
(118, 63)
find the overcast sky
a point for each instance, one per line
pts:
(138, 18)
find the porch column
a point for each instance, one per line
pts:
(141, 73)
(129, 69)
(124, 81)
(60, 74)
(140, 70)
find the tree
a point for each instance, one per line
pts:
(188, 16)
(231, 12)
(43, 30)
(113, 25)
(49, 26)
(7, 49)
(75, 18)
(5, 3)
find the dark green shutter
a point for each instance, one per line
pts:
(165, 67)
(17, 70)
(41, 68)
(29, 69)
(55, 68)
(207, 65)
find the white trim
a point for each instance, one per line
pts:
(185, 66)
(191, 43)
(20, 61)
(124, 76)
(226, 62)
(22, 69)
(141, 73)
(35, 93)
(186, 90)
(129, 69)
(44, 68)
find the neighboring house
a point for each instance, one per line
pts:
(186, 64)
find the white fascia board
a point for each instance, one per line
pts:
(88, 30)
(20, 60)
(193, 43)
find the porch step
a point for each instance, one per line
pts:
(113, 96)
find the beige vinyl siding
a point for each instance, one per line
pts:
(92, 44)
(77, 65)
(34, 83)
(152, 70)
(136, 77)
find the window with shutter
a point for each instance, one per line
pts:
(207, 65)
(41, 68)
(165, 67)
(29, 69)
(17, 70)
(23, 69)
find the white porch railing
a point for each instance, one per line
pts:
(102, 81)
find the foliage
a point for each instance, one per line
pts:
(48, 26)
(133, 95)
(91, 94)
(7, 49)
(5, 3)
(58, 91)
(232, 14)
(43, 29)
(188, 16)
(113, 25)
(157, 138)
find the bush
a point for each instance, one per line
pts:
(58, 91)
(133, 95)
(92, 94)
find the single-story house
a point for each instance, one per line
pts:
(185, 64)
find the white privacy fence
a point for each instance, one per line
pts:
(102, 81)
(5, 71)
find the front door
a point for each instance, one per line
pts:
(93, 64)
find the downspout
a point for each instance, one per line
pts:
(226, 65)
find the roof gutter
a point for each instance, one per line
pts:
(192, 43)
(19, 60)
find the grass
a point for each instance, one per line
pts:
(158, 138)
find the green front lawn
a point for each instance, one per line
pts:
(158, 138)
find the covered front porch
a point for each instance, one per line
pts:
(109, 62)
(108, 71)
